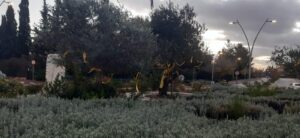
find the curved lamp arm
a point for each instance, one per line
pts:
(244, 32)
(257, 36)
(266, 21)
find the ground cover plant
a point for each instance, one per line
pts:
(262, 90)
(11, 89)
(212, 114)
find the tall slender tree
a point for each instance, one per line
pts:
(9, 38)
(42, 42)
(45, 16)
(151, 4)
(2, 32)
(24, 28)
(3, 24)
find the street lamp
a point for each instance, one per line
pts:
(237, 72)
(33, 62)
(250, 48)
(213, 62)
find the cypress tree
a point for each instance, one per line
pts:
(24, 28)
(3, 24)
(151, 4)
(2, 34)
(45, 16)
(10, 35)
(42, 42)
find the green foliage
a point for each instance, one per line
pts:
(237, 108)
(101, 91)
(179, 35)
(15, 42)
(42, 44)
(83, 88)
(289, 59)
(11, 89)
(213, 114)
(261, 90)
(148, 82)
(292, 109)
(274, 73)
(100, 29)
(54, 117)
(16, 67)
(45, 17)
(34, 89)
(126, 86)
(232, 58)
(151, 81)
(198, 86)
(56, 88)
(115, 83)
(8, 40)
(234, 109)
(24, 38)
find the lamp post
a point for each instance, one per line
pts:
(237, 72)
(212, 74)
(213, 62)
(212, 71)
(33, 62)
(250, 48)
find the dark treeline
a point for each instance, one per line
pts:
(15, 40)
(116, 42)
(233, 58)
(287, 61)
(111, 39)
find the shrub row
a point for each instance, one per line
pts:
(53, 117)
(196, 113)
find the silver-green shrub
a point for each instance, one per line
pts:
(52, 117)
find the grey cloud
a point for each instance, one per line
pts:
(251, 13)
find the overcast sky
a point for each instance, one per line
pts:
(216, 14)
